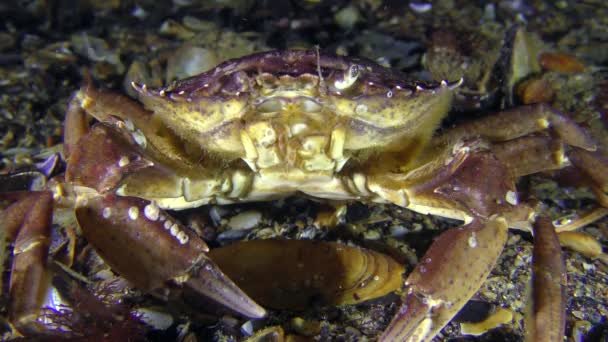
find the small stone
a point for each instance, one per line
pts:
(160, 320)
(347, 17)
(189, 61)
(371, 234)
(245, 220)
(578, 314)
(305, 327)
(398, 231)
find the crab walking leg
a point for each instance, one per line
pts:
(542, 154)
(449, 274)
(520, 121)
(28, 221)
(74, 127)
(548, 316)
(146, 246)
(594, 164)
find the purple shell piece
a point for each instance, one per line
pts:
(49, 165)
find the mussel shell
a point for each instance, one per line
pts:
(295, 274)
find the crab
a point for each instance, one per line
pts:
(282, 123)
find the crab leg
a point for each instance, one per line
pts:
(74, 127)
(542, 154)
(548, 314)
(28, 221)
(146, 246)
(459, 260)
(593, 164)
(440, 285)
(520, 121)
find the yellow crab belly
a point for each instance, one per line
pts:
(271, 184)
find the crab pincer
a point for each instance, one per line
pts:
(145, 245)
(135, 236)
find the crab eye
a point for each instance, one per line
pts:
(348, 79)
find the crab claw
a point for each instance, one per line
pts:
(439, 287)
(459, 260)
(146, 246)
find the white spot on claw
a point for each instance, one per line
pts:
(123, 161)
(167, 224)
(473, 240)
(152, 211)
(182, 237)
(106, 213)
(511, 197)
(133, 213)
(174, 230)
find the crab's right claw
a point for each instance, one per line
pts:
(146, 246)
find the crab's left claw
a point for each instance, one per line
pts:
(459, 260)
(477, 184)
(438, 288)
(146, 246)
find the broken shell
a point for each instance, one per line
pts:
(560, 62)
(245, 220)
(271, 334)
(582, 243)
(536, 90)
(500, 317)
(297, 273)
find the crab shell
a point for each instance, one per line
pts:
(272, 124)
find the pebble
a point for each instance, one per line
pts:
(189, 61)
(372, 234)
(347, 17)
(398, 231)
(159, 320)
(305, 327)
(245, 220)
